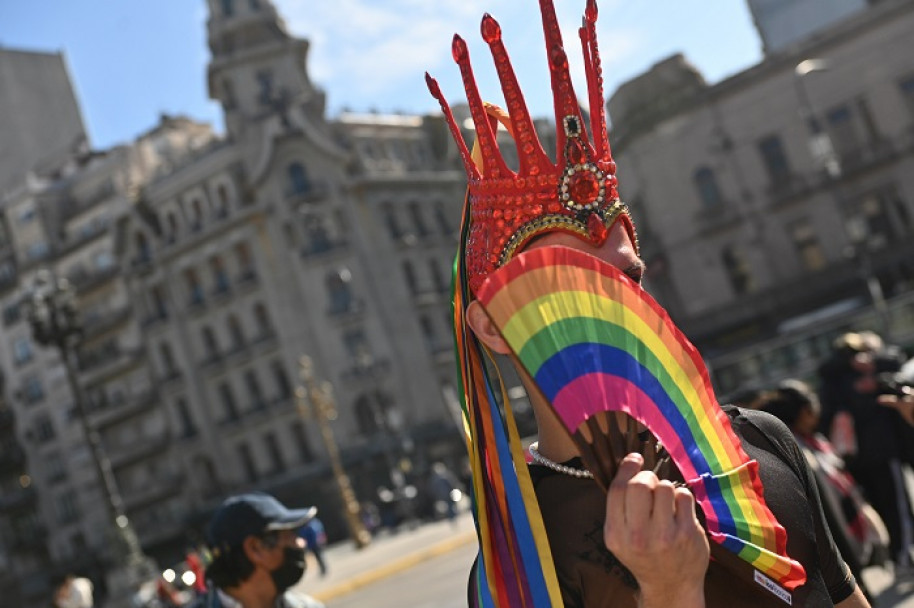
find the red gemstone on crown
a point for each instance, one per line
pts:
(583, 187)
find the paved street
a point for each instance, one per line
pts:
(427, 568)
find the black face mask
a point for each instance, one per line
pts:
(290, 570)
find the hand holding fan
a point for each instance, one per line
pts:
(595, 343)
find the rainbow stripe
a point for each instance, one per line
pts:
(595, 341)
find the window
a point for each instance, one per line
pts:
(244, 260)
(339, 291)
(253, 388)
(34, 391)
(737, 270)
(842, 130)
(172, 221)
(169, 368)
(301, 440)
(262, 319)
(247, 462)
(409, 274)
(55, 467)
(157, 298)
(415, 214)
(442, 284)
(316, 233)
(807, 246)
(390, 221)
(222, 201)
(210, 345)
(220, 277)
(22, 351)
(143, 253)
(298, 179)
(185, 419)
(281, 378)
(235, 332)
(37, 251)
(12, 313)
(265, 84)
(196, 216)
(228, 402)
(775, 159)
(103, 260)
(44, 429)
(26, 215)
(275, 452)
(706, 185)
(67, 507)
(194, 288)
(356, 344)
(228, 8)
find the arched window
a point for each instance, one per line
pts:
(222, 201)
(196, 217)
(298, 179)
(706, 185)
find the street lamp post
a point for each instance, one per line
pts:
(324, 409)
(859, 237)
(820, 144)
(54, 319)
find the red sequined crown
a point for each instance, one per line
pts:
(577, 194)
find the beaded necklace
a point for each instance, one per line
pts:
(559, 468)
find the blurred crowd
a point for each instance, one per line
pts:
(854, 423)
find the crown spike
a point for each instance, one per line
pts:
(468, 164)
(493, 165)
(532, 157)
(566, 102)
(594, 72)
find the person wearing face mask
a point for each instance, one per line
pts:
(257, 557)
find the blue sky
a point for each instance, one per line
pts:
(131, 60)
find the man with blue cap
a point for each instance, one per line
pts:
(256, 554)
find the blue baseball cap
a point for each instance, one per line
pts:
(251, 515)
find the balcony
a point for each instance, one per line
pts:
(720, 217)
(318, 249)
(106, 322)
(109, 361)
(111, 413)
(84, 281)
(789, 189)
(154, 491)
(139, 449)
(314, 193)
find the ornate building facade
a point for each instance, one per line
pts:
(776, 206)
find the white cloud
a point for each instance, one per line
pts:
(368, 50)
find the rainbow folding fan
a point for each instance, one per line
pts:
(596, 343)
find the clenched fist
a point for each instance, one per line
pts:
(651, 527)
